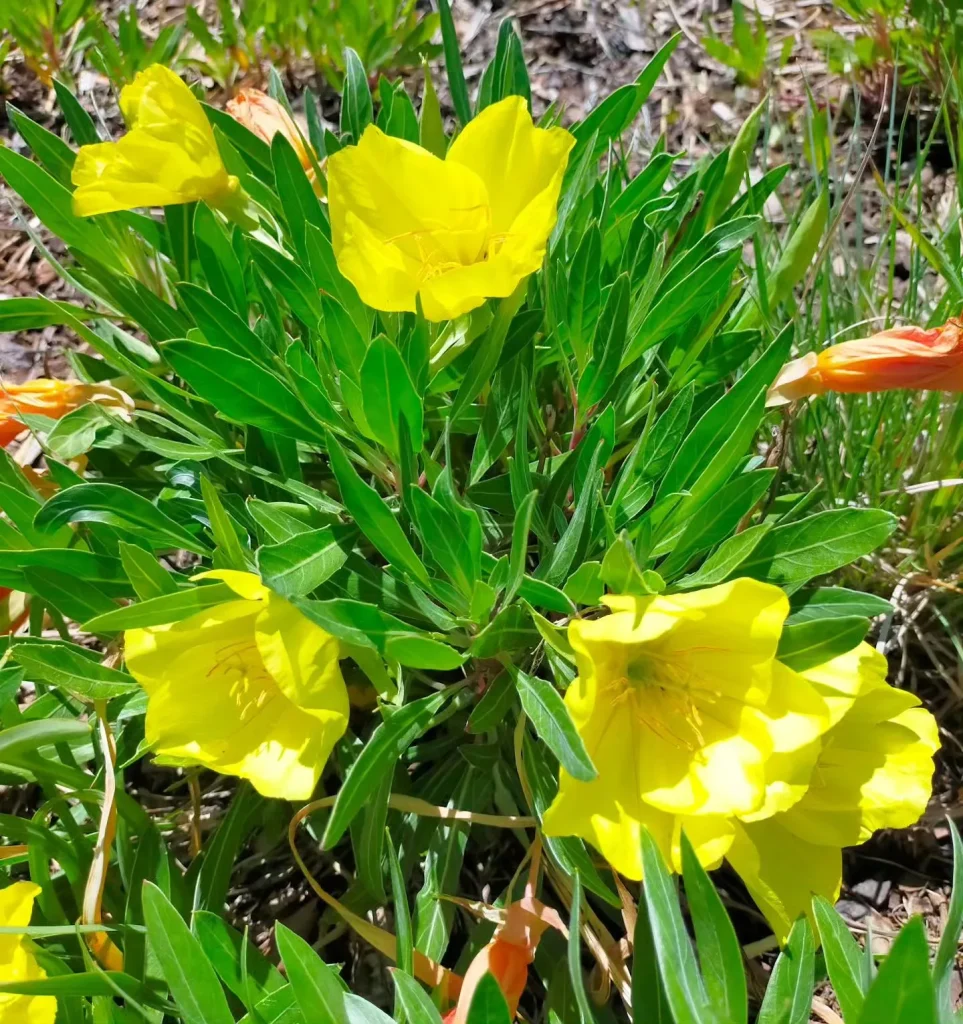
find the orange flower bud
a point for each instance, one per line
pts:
(53, 398)
(265, 117)
(906, 357)
(508, 955)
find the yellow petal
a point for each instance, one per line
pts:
(245, 584)
(457, 291)
(840, 681)
(124, 175)
(18, 962)
(302, 658)
(16, 905)
(385, 276)
(158, 97)
(608, 812)
(796, 718)
(518, 163)
(782, 871)
(214, 702)
(722, 638)
(874, 771)
(434, 214)
(169, 156)
(687, 671)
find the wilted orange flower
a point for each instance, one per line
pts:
(265, 117)
(508, 955)
(14, 609)
(905, 357)
(53, 398)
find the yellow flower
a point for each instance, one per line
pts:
(17, 960)
(681, 705)
(249, 688)
(456, 231)
(873, 770)
(169, 156)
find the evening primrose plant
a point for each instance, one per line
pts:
(440, 528)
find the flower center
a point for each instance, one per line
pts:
(240, 668)
(659, 694)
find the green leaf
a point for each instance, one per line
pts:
(519, 553)
(300, 564)
(648, 993)
(791, 554)
(687, 533)
(813, 643)
(684, 988)
(789, 995)
(30, 736)
(585, 293)
(510, 630)
(399, 902)
(834, 602)
(30, 314)
(76, 433)
(229, 553)
(375, 520)
(903, 992)
(491, 710)
(555, 728)
(585, 1014)
(388, 394)
(73, 669)
(81, 124)
(161, 610)
(415, 1002)
(379, 755)
(607, 347)
(726, 559)
(946, 953)
(214, 878)
(791, 267)
(720, 955)
(488, 1004)
(188, 973)
(455, 546)
(431, 127)
(242, 968)
(52, 203)
(719, 440)
(103, 571)
(356, 106)
(221, 326)
(486, 354)
(219, 261)
(453, 67)
(620, 571)
(298, 198)
(116, 506)
(241, 390)
(619, 109)
(360, 1011)
(843, 958)
(316, 987)
(74, 598)
(740, 153)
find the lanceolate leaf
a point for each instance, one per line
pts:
(378, 756)
(373, 516)
(554, 725)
